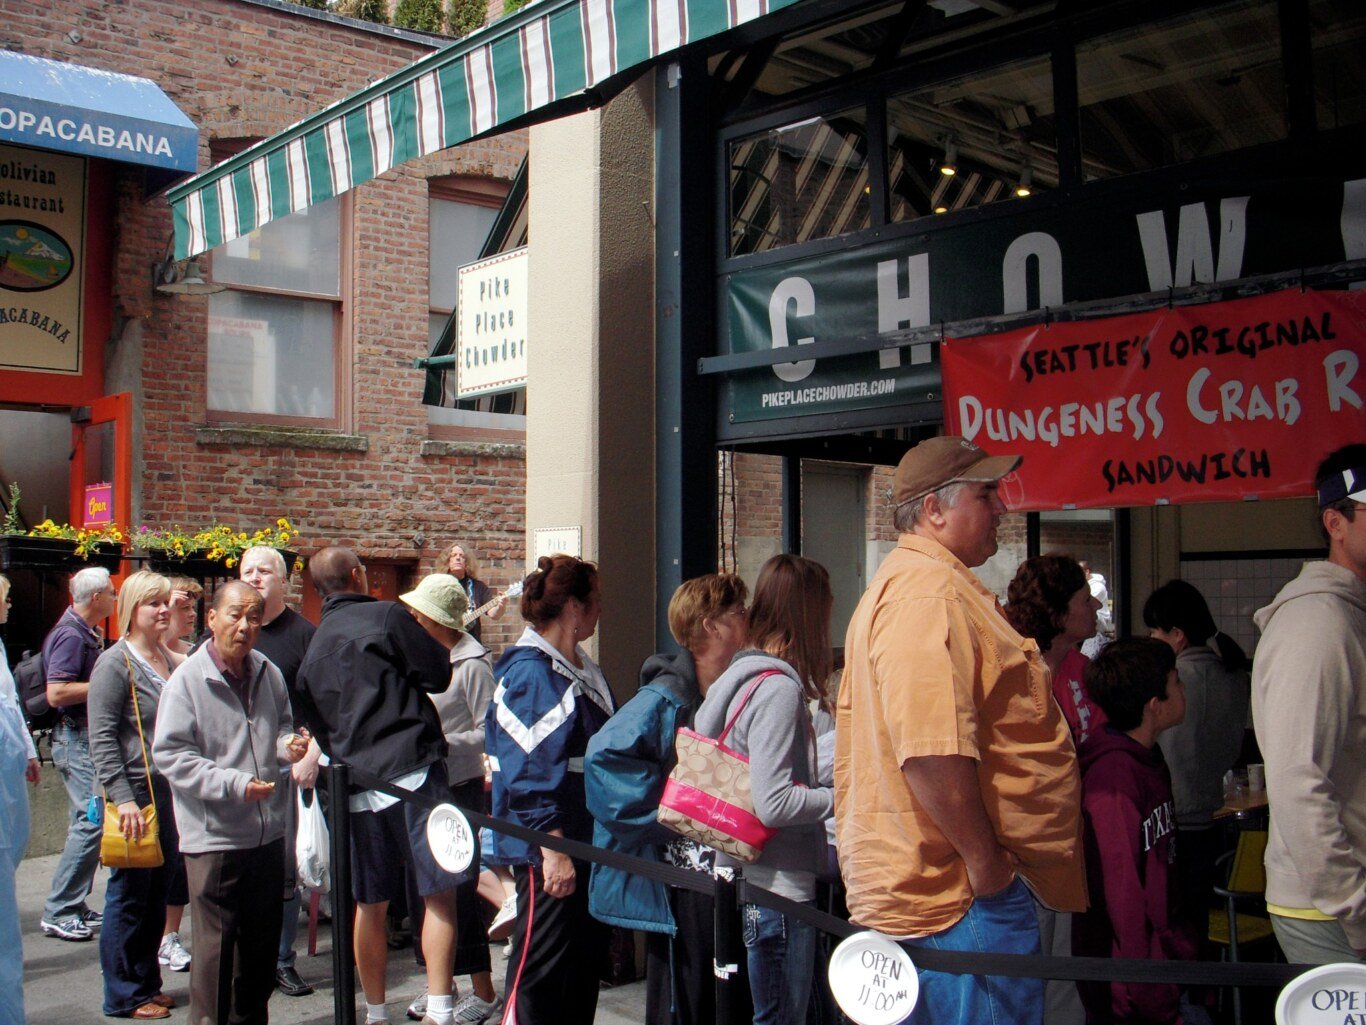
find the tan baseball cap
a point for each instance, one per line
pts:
(440, 596)
(939, 462)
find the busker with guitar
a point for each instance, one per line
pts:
(460, 562)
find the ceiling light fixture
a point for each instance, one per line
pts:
(950, 165)
(183, 277)
(1026, 185)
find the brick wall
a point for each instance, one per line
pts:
(239, 71)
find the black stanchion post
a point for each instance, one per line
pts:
(732, 1005)
(343, 907)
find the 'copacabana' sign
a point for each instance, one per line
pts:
(1334, 994)
(1211, 403)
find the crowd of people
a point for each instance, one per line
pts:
(969, 780)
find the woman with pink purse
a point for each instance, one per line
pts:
(763, 698)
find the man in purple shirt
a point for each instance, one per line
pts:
(69, 653)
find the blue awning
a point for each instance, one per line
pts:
(54, 105)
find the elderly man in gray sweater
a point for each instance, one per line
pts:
(224, 737)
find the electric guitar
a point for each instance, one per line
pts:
(511, 592)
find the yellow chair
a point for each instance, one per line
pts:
(1245, 884)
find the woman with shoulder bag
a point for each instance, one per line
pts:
(764, 695)
(125, 688)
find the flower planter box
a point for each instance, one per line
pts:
(199, 567)
(54, 554)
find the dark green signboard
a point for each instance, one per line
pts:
(1027, 257)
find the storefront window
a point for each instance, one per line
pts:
(1337, 31)
(981, 139)
(1182, 89)
(798, 183)
(275, 332)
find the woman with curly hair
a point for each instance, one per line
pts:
(1050, 600)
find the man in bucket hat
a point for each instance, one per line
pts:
(957, 799)
(1309, 707)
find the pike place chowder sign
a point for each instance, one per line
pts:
(1334, 994)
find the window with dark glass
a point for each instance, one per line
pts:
(799, 182)
(1337, 32)
(981, 139)
(1177, 90)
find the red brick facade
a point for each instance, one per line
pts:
(242, 71)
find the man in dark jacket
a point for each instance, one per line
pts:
(367, 674)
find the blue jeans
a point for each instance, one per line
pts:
(289, 930)
(76, 868)
(134, 915)
(1003, 923)
(781, 957)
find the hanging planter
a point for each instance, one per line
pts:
(213, 552)
(19, 551)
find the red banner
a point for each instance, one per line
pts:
(1214, 403)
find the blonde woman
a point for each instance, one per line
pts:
(135, 900)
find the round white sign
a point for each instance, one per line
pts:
(873, 980)
(450, 837)
(1334, 993)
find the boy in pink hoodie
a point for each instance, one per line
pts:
(1130, 830)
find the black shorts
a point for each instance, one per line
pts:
(384, 842)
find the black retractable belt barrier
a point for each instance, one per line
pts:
(343, 904)
(730, 947)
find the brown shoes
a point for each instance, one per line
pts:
(149, 1011)
(162, 1000)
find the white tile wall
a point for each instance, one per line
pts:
(1235, 588)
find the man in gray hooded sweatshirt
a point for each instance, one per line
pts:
(1309, 708)
(224, 738)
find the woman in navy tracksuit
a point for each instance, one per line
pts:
(550, 698)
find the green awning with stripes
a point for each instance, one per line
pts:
(548, 52)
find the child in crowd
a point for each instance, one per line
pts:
(1130, 828)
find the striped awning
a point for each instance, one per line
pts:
(548, 52)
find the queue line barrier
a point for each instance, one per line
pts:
(728, 895)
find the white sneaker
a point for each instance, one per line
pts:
(172, 953)
(417, 1010)
(472, 1010)
(502, 924)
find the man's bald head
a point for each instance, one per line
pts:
(234, 591)
(334, 571)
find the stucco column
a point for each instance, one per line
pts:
(590, 354)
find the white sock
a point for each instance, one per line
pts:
(376, 1012)
(440, 1008)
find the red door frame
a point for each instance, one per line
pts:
(107, 409)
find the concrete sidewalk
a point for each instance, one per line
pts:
(63, 986)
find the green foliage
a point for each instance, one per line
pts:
(464, 16)
(419, 15)
(514, 5)
(13, 524)
(317, 5)
(366, 10)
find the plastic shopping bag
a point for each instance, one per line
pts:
(311, 847)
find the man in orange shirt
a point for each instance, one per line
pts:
(957, 797)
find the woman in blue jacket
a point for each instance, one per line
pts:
(628, 762)
(550, 699)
